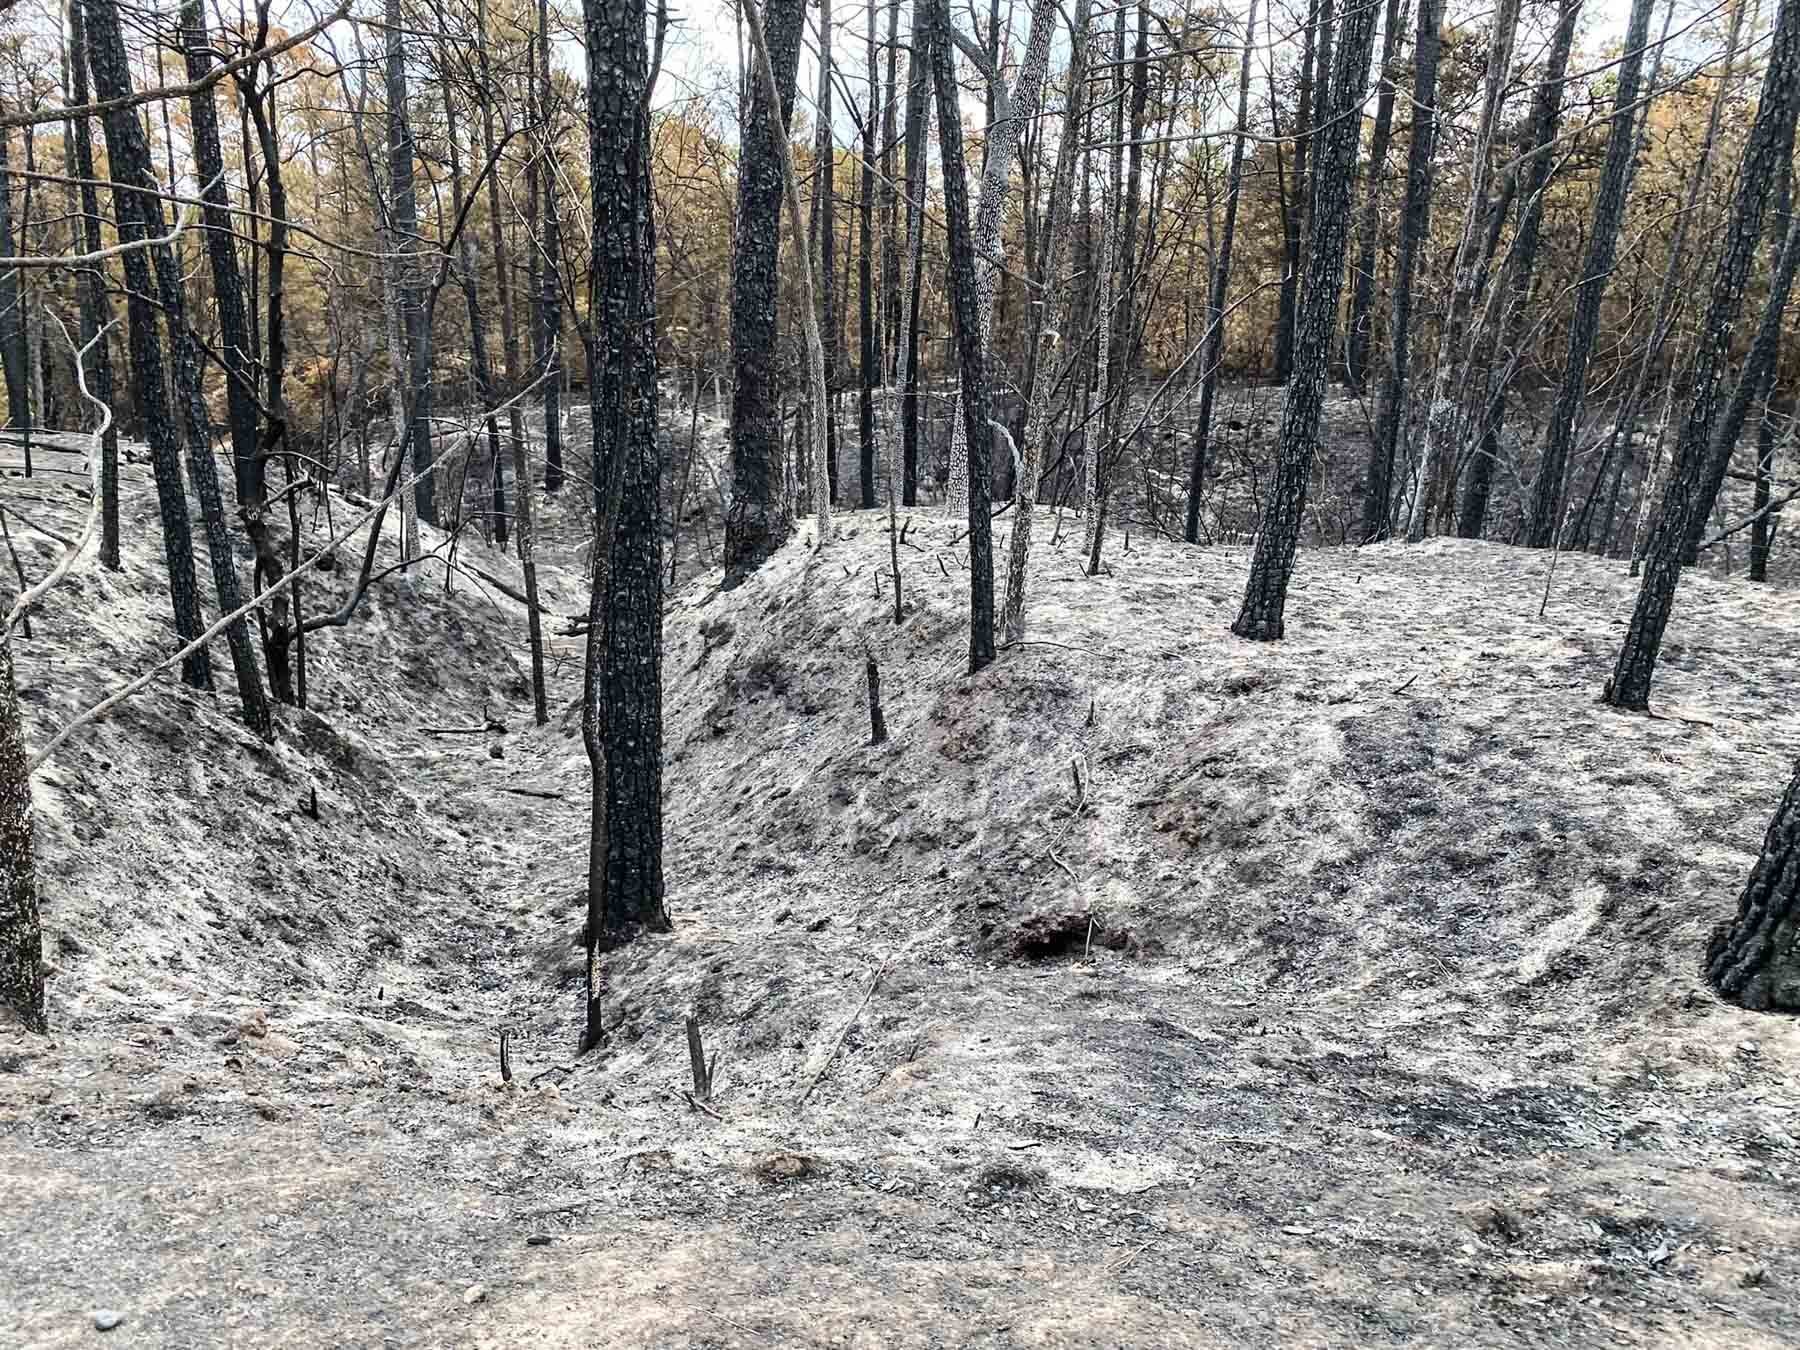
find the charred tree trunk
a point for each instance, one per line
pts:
(757, 522)
(135, 206)
(1590, 289)
(1670, 299)
(622, 706)
(1754, 960)
(966, 307)
(825, 246)
(549, 296)
(21, 929)
(1465, 282)
(13, 356)
(1758, 367)
(867, 319)
(1316, 329)
(1214, 355)
(203, 473)
(1034, 450)
(1771, 141)
(96, 305)
(1761, 531)
(469, 280)
(242, 413)
(1011, 111)
(405, 211)
(1293, 203)
(918, 103)
(1362, 294)
(1546, 115)
(1415, 225)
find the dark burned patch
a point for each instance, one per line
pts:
(321, 738)
(778, 1169)
(1050, 934)
(1008, 1174)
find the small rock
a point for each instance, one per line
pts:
(538, 1240)
(105, 1319)
(475, 1293)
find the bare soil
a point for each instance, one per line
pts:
(1150, 988)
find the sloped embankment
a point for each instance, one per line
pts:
(1412, 813)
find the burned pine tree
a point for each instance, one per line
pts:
(134, 194)
(1265, 596)
(1213, 355)
(622, 702)
(1362, 291)
(1754, 960)
(21, 930)
(1415, 227)
(415, 320)
(96, 305)
(1516, 315)
(966, 307)
(1771, 140)
(757, 523)
(1596, 270)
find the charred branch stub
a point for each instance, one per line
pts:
(877, 722)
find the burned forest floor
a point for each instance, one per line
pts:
(1150, 988)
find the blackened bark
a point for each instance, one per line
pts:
(1760, 529)
(203, 473)
(21, 929)
(917, 110)
(1771, 140)
(967, 311)
(1214, 354)
(1758, 368)
(228, 285)
(624, 731)
(1590, 288)
(549, 296)
(485, 392)
(1293, 203)
(826, 207)
(1546, 116)
(1362, 293)
(404, 208)
(96, 305)
(1315, 331)
(248, 465)
(12, 319)
(866, 316)
(1415, 224)
(757, 522)
(135, 207)
(509, 342)
(1754, 960)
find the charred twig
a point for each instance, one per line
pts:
(701, 1106)
(31, 524)
(702, 1071)
(844, 1030)
(19, 567)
